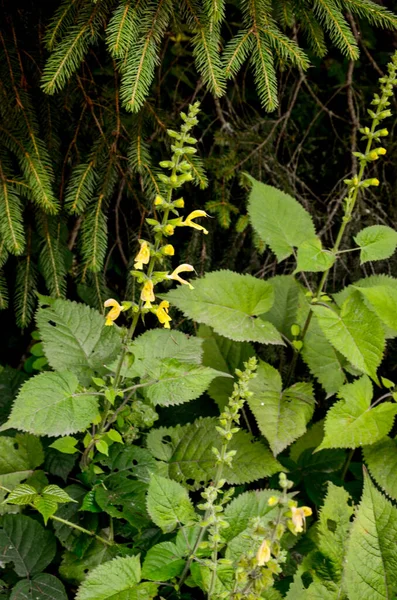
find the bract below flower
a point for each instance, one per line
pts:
(114, 312)
(147, 294)
(181, 269)
(188, 222)
(143, 256)
(162, 314)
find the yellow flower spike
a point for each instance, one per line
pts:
(147, 294)
(143, 256)
(175, 274)
(162, 314)
(263, 555)
(168, 249)
(188, 222)
(114, 312)
(299, 517)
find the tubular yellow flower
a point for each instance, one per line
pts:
(143, 256)
(114, 312)
(162, 314)
(168, 249)
(169, 230)
(175, 274)
(263, 555)
(188, 222)
(299, 515)
(147, 294)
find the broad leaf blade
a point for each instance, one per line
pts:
(168, 503)
(311, 257)
(381, 460)
(42, 587)
(279, 219)
(377, 242)
(383, 300)
(229, 303)
(48, 405)
(163, 562)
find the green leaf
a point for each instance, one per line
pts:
(22, 494)
(351, 422)
(381, 460)
(27, 544)
(313, 258)
(71, 511)
(279, 220)
(282, 416)
(46, 505)
(383, 300)
(229, 303)
(10, 381)
(117, 579)
(371, 561)
(169, 504)
(188, 452)
(48, 405)
(74, 568)
(246, 506)
(66, 445)
(334, 526)
(311, 439)
(377, 242)
(223, 355)
(158, 344)
(57, 493)
(102, 447)
(283, 313)
(163, 562)
(76, 339)
(356, 333)
(41, 587)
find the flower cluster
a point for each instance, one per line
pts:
(155, 252)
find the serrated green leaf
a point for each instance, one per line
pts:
(47, 404)
(66, 445)
(315, 591)
(163, 562)
(76, 339)
(158, 344)
(356, 333)
(383, 300)
(283, 313)
(168, 503)
(334, 526)
(282, 416)
(41, 587)
(117, 579)
(74, 568)
(68, 536)
(25, 543)
(381, 460)
(229, 303)
(371, 561)
(57, 493)
(131, 461)
(46, 505)
(311, 257)
(280, 221)
(188, 452)
(22, 494)
(223, 355)
(351, 422)
(311, 439)
(377, 242)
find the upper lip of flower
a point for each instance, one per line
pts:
(188, 222)
(175, 274)
(114, 312)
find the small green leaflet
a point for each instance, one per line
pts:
(117, 579)
(311, 257)
(168, 503)
(41, 587)
(22, 494)
(48, 405)
(351, 422)
(230, 303)
(356, 333)
(381, 460)
(25, 543)
(45, 502)
(377, 242)
(281, 415)
(371, 561)
(280, 221)
(163, 562)
(76, 339)
(66, 445)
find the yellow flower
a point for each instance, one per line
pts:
(169, 230)
(273, 500)
(168, 249)
(175, 274)
(263, 555)
(188, 222)
(158, 200)
(299, 515)
(162, 314)
(180, 203)
(143, 256)
(114, 312)
(147, 294)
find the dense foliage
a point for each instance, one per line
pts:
(245, 450)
